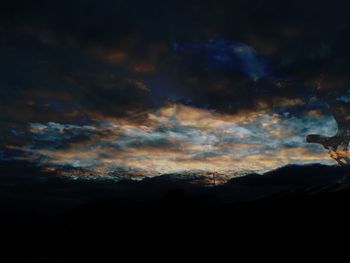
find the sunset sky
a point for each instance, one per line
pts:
(152, 87)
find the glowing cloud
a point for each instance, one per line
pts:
(179, 138)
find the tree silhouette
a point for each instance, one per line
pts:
(338, 144)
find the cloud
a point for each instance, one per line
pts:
(180, 138)
(103, 87)
(56, 132)
(230, 55)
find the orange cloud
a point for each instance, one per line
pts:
(143, 68)
(179, 138)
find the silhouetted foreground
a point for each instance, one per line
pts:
(337, 145)
(175, 216)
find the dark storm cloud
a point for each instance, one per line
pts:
(302, 40)
(67, 65)
(41, 83)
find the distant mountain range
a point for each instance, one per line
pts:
(29, 185)
(44, 210)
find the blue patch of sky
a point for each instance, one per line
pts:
(233, 55)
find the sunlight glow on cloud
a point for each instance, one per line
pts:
(178, 138)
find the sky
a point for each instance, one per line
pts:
(139, 88)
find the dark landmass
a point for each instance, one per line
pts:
(52, 218)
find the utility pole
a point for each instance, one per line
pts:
(214, 181)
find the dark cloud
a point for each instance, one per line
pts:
(72, 64)
(306, 39)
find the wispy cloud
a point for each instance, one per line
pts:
(179, 138)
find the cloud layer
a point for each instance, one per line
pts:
(170, 86)
(179, 138)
